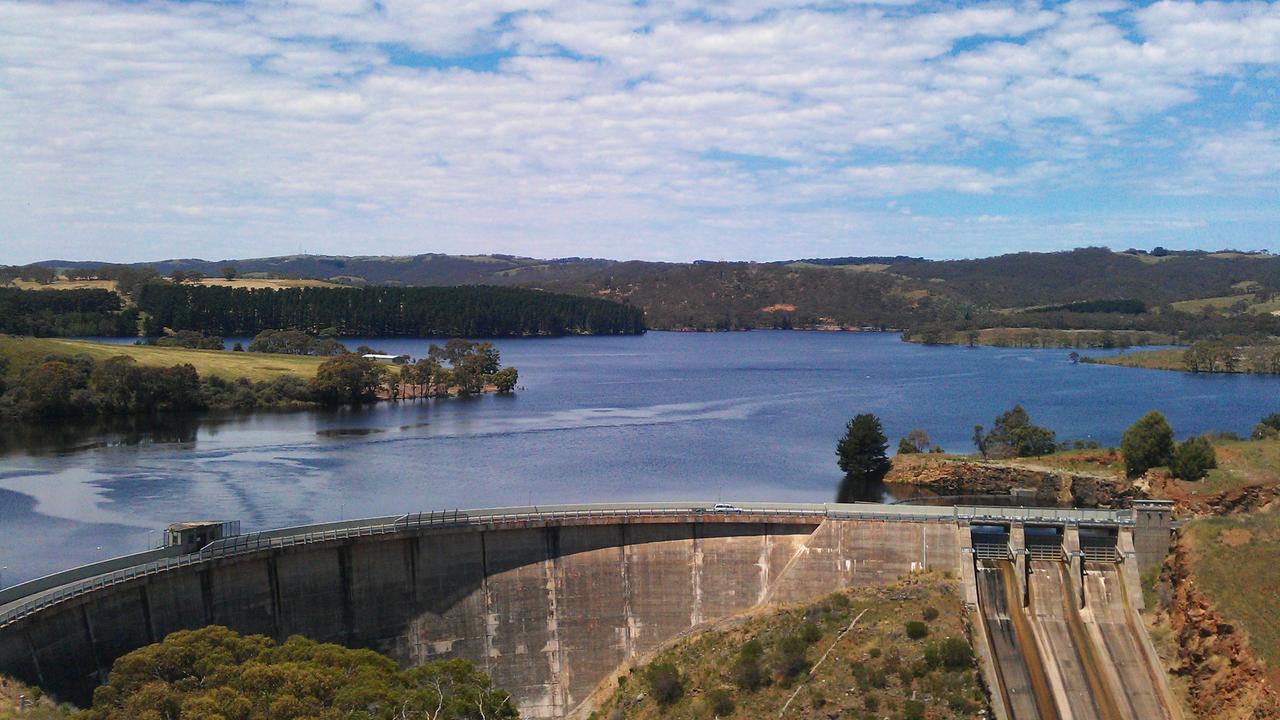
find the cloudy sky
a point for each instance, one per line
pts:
(662, 129)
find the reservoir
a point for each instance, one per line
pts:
(663, 416)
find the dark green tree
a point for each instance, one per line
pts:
(861, 455)
(1146, 444)
(347, 379)
(505, 379)
(1193, 459)
(1013, 435)
(665, 683)
(217, 673)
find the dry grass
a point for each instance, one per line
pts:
(1240, 464)
(65, 284)
(1226, 301)
(1170, 359)
(17, 701)
(24, 351)
(271, 283)
(1235, 561)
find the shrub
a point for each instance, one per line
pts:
(913, 710)
(1193, 459)
(917, 630)
(789, 660)
(930, 614)
(955, 653)
(719, 702)
(810, 633)
(746, 673)
(874, 652)
(664, 682)
(1146, 444)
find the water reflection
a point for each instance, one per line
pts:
(79, 435)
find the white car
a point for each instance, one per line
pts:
(726, 508)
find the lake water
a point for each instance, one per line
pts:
(664, 416)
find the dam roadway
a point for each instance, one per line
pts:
(549, 601)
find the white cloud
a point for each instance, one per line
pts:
(572, 127)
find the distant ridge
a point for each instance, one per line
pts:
(849, 292)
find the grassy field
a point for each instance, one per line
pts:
(1226, 301)
(64, 284)
(872, 671)
(1170, 359)
(251, 283)
(25, 351)
(272, 283)
(1235, 561)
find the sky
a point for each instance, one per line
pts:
(658, 129)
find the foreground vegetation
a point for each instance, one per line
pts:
(900, 652)
(217, 674)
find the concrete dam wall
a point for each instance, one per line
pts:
(549, 604)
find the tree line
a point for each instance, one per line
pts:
(861, 453)
(60, 313)
(66, 387)
(473, 311)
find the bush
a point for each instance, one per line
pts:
(789, 660)
(917, 630)
(745, 671)
(1146, 444)
(810, 633)
(930, 614)
(913, 710)
(956, 654)
(1193, 459)
(719, 702)
(665, 684)
(1014, 436)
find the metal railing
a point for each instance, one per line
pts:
(50, 590)
(1046, 551)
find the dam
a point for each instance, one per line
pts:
(550, 601)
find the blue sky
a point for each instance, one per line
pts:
(667, 130)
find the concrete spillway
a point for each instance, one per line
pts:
(1055, 660)
(1125, 652)
(1020, 671)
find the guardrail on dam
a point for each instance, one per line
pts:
(549, 601)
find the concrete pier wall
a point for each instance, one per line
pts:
(548, 610)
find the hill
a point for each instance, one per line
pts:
(1185, 293)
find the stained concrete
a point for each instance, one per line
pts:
(548, 610)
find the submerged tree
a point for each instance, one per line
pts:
(347, 379)
(861, 456)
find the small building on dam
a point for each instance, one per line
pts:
(549, 601)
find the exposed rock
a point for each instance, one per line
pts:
(951, 476)
(1225, 680)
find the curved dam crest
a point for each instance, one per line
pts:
(548, 602)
